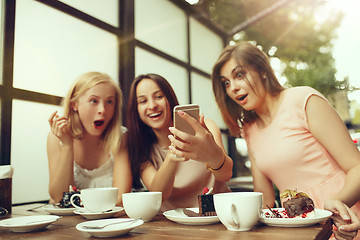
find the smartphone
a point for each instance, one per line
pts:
(180, 123)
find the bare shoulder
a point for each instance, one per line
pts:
(318, 110)
(315, 102)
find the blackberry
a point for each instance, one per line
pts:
(65, 201)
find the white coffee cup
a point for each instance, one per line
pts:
(238, 211)
(144, 205)
(97, 199)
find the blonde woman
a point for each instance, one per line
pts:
(83, 144)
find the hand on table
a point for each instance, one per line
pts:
(345, 220)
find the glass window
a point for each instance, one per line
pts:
(106, 11)
(147, 62)
(2, 3)
(202, 94)
(52, 49)
(205, 46)
(28, 150)
(162, 25)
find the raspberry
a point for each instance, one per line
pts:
(205, 190)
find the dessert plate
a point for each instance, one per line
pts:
(98, 215)
(28, 223)
(111, 230)
(320, 215)
(53, 209)
(178, 215)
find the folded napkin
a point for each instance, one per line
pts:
(6, 171)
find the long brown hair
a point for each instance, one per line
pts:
(140, 135)
(112, 134)
(251, 57)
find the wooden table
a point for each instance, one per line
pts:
(161, 228)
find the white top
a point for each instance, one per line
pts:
(98, 177)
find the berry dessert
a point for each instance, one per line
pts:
(297, 204)
(206, 203)
(65, 201)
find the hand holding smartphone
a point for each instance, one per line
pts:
(180, 123)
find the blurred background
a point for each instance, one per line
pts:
(46, 44)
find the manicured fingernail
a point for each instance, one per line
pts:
(170, 137)
(181, 113)
(171, 129)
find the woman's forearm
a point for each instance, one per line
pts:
(164, 178)
(62, 173)
(221, 166)
(350, 193)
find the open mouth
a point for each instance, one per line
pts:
(242, 97)
(154, 115)
(99, 123)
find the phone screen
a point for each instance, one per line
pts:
(181, 124)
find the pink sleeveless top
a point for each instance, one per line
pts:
(288, 154)
(190, 179)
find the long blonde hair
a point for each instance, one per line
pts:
(248, 55)
(112, 134)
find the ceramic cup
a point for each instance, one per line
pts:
(97, 199)
(144, 205)
(238, 211)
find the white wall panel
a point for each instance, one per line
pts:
(205, 46)
(202, 94)
(146, 62)
(162, 25)
(52, 49)
(28, 151)
(106, 11)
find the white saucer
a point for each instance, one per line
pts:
(58, 210)
(28, 223)
(320, 215)
(98, 215)
(109, 231)
(178, 215)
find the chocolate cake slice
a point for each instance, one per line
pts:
(299, 206)
(206, 205)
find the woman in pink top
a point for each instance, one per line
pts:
(295, 138)
(154, 152)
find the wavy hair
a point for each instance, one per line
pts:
(112, 134)
(140, 134)
(251, 57)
